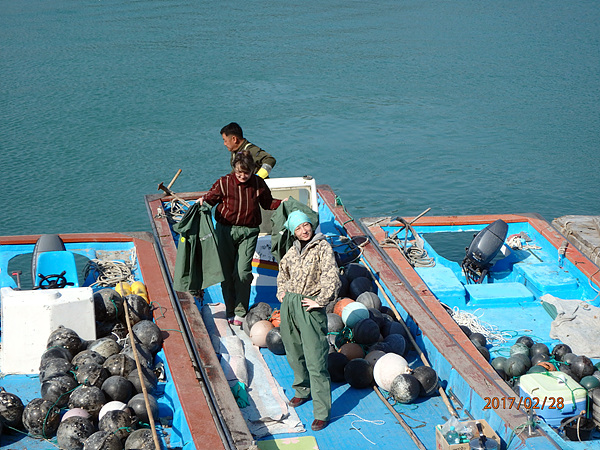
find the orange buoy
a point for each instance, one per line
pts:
(341, 304)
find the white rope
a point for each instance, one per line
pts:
(360, 419)
(476, 325)
(112, 272)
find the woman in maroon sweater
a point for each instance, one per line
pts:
(238, 196)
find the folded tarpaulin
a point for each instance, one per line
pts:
(576, 323)
(281, 237)
(197, 265)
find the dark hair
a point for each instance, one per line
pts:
(233, 129)
(245, 160)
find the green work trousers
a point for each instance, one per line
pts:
(236, 246)
(304, 335)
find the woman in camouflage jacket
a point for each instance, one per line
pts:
(308, 279)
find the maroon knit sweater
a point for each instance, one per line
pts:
(239, 203)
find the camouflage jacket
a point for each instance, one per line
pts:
(311, 272)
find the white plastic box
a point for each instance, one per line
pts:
(28, 318)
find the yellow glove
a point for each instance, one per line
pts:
(262, 173)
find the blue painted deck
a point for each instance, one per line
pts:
(510, 299)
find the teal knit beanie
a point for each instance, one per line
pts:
(295, 219)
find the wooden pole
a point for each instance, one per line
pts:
(414, 343)
(140, 374)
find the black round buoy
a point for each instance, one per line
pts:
(105, 347)
(566, 368)
(343, 292)
(102, 440)
(366, 332)
(73, 431)
(58, 389)
(138, 405)
(87, 356)
(139, 309)
(108, 305)
(148, 334)
(405, 388)
(376, 316)
(539, 348)
(358, 373)
(540, 357)
(582, 366)
(484, 351)
(144, 355)
(118, 388)
(478, 338)
(274, 342)
(119, 364)
(148, 377)
(140, 440)
(560, 350)
(55, 352)
(11, 409)
(392, 327)
(465, 329)
(523, 358)
(525, 340)
(91, 374)
(336, 363)
(590, 382)
(119, 422)
(90, 398)
(519, 347)
(355, 270)
(370, 300)
(569, 358)
(499, 362)
(515, 366)
(54, 367)
(360, 285)
(373, 356)
(395, 344)
(65, 337)
(428, 379)
(41, 418)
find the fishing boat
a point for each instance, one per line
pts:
(518, 282)
(51, 281)
(361, 417)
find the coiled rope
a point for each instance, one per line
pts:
(109, 273)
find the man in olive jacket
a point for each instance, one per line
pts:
(233, 139)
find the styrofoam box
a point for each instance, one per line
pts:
(29, 316)
(546, 389)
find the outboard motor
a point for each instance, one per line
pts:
(483, 249)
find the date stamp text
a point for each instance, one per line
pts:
(525, 402)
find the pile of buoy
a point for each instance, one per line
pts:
(368, 345)
(91, 392)
(526, 356)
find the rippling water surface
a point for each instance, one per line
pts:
(462, 106)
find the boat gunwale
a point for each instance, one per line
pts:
(227, 414)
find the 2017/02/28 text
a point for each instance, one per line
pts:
(525, 402)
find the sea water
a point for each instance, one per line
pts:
(463, 106)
